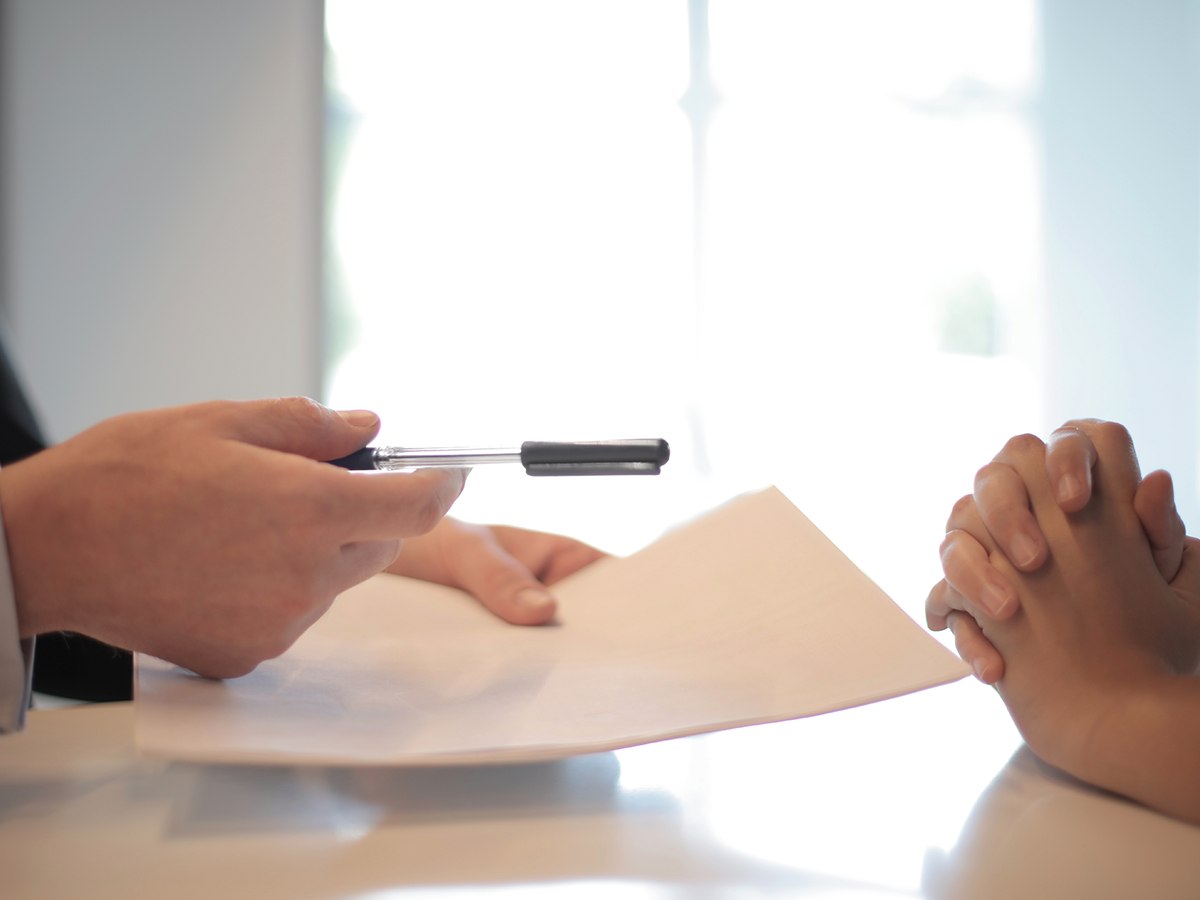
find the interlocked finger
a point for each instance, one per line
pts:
(970, 572)
(1070, 456)
(975, 649)
(1003, 504)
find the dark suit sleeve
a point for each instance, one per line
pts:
(64, 664)
(19, 433)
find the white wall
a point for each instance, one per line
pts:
(162, 184)
(1120, 117)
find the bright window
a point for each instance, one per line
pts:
(516, 255)
(513, 240)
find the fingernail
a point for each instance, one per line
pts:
(533, 600)
(1023, 550)
(1069, 488)
(995, 598)
(359, 418)
(978, 667)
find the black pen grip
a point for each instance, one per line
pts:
(359, 460)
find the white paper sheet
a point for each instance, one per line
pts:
(746, 615)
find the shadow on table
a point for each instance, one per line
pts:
(1038, 832)
(591, 830)
(211, 800)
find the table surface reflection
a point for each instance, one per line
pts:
(929, 795)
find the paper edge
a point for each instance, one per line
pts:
(534, 753)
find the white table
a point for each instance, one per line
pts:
(867, 803)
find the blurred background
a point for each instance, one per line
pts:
(847, 248)
(802, 241)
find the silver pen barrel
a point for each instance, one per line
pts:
(444, 457)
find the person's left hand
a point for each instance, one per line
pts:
(506, 569)
(972, 585)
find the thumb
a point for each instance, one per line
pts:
(1154, 504)
(301, 426)
(483, 568)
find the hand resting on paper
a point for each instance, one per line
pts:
(1101, 655)
(207, 535)
(506, 569)
(972, 585)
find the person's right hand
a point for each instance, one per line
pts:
(207, 535)
(972, 585)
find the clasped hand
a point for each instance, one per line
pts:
(1071, 586)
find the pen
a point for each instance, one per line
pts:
(633, 457)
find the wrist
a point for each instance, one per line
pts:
(1135, 737)
(35, 610)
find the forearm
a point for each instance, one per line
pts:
(1148, 748)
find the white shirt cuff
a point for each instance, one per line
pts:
(16, 655)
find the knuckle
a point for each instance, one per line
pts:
(433, 503)
(956, 556)
(953, 550)
(1114, 432)
(305, 409)
(1067, 439)
(963, 506)
(988, 472)
(427, 514)
(1024, 444)
(1076, 427)
(946, 548)
(963, 503)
